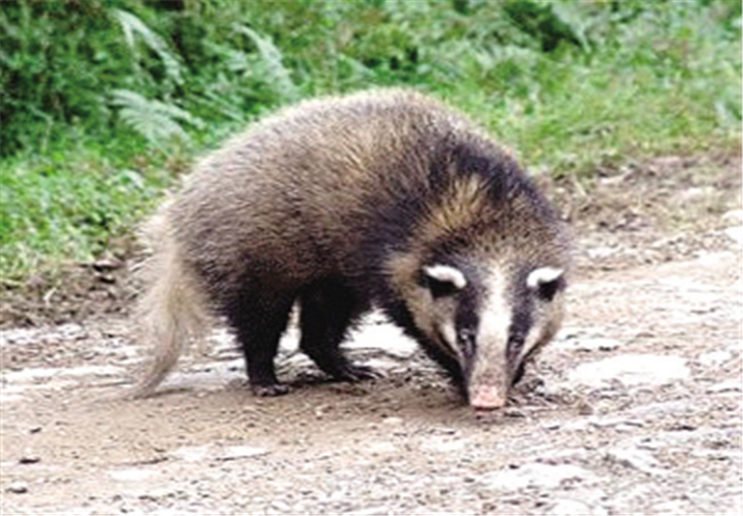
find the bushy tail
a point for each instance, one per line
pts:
(172, 311)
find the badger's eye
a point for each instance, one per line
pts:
(546, 291)
(443, 280)
(441, 288)
(546, 282)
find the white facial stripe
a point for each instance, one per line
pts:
(449, 332)
(446, 274)
(492, 335)
(543, 275)
(532, 339)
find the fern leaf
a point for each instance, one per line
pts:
(279, 76)
(156, 121)
(132, 26)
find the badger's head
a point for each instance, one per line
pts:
(490, 321)
(485, 297)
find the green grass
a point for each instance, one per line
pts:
(67, 206)
(105, 102)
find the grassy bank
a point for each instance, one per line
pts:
(104, 103)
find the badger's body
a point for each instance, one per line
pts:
(384, 199)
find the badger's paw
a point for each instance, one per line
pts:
(265, 391)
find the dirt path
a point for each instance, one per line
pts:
(635, 408)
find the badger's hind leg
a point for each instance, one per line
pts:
(327, 310)
(258, 321)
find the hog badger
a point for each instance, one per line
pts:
(382, 199)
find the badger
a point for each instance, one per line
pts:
(382, 199)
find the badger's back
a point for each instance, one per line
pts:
(294, 197)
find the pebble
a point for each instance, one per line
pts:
(727, 386)
(131, 475)
(443, 446)
(608, 422)
(392, 421)
(280, 506)
(239, 452)
(368, 511)
(587, 345)
(191, 453)
(733, 217)
(551, 425)
(715, 358)
(29, 458)
(381, 448)
(735, 234)
(17, 487)
(634, 458)
(514, 412)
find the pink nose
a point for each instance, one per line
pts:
(488, 397)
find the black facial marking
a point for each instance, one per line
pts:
(518, 374)
(521, 321)
(546, 290)
(437, 287)
(466, 322)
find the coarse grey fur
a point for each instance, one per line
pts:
(384, 198)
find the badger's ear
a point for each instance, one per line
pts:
(545, 281)
(444, 279)
(543, 275)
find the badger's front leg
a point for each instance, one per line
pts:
(327, 310)
(258, 321)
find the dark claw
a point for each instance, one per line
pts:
(265, 391)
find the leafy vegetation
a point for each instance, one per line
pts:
(104, 102)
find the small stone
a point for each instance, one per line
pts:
(634, 458)
(733, 216)
(585, 408)
(715, 358)
(280, 506)
(106, 265)
(366, 511)
(240, 452)
(29, 458)
(725, 387)
(682, 427)
(130, 475)
(17, 487)
(107, 278)
(443, 446)
(192, 453)
(608, 422)
(589, 344)
(735, 234)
